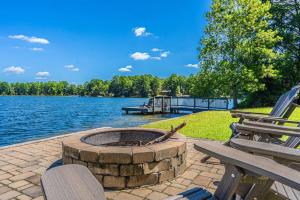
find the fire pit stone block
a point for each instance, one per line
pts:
(131, 170)
(142, 155)
(114, 182)
(146, 179)
(119, 155)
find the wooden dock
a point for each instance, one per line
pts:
(163, 104)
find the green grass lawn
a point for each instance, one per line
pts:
(211, 124)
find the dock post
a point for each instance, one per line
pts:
(194, 104)
(208, 102)
(153, 105)
(227, 103)
(162, 105)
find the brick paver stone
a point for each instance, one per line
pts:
(123, 196)
(157, 196)
(9, 195)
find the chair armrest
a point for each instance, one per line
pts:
(272, 126)
(253, 163)
(262, 130)
(71, 182)
(280, 120)
(237, 114)
(245, 112)
(268, 149)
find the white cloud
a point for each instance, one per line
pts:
(141, 31)
(69, 66)
(75, 69)
(37, 49)
(125, 69)
(40, 78)
(156, 50)
(72, 68)
(42, 74)
(192, 65)
(164, 54)
(14, 70)
(156, 58)
(140, 56)
(30, 39)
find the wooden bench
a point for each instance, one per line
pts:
(71, 182)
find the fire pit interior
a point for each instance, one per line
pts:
(121, 158)
(121, 138)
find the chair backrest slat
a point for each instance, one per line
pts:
(285, 101)
(292, 142)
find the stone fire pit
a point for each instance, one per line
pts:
(116, 160)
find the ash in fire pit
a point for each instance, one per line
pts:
(117, 160)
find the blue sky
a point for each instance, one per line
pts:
(79, 40)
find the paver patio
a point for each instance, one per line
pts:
(22, 165)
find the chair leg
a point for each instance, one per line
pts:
(229, 183)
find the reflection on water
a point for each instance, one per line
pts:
(24, 118)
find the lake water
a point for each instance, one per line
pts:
(25, 118)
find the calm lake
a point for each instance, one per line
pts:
(25, 118)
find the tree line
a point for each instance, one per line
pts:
(119, 86)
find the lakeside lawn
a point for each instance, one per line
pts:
(211, 124)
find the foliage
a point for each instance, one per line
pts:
(119, 86)
(204, 84)
(177, 85)
(139, 86)
(286, 20)
(211, 124)
(237, 50)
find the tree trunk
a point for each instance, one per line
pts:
(235, 98)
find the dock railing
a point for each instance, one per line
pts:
(200, 103)
(163, 104)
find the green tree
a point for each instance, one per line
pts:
(121, 86)
(96, 87)
(5, 88)
(20, 88)
(172, 83)
(155, 86)
(142, 85)
(34, 88)
(204, 85)
(286, 19)
(238, 46)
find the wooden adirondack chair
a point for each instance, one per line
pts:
(281, 154)
(267, 132)
(241, 167)
(272, 133)
(282, 109)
